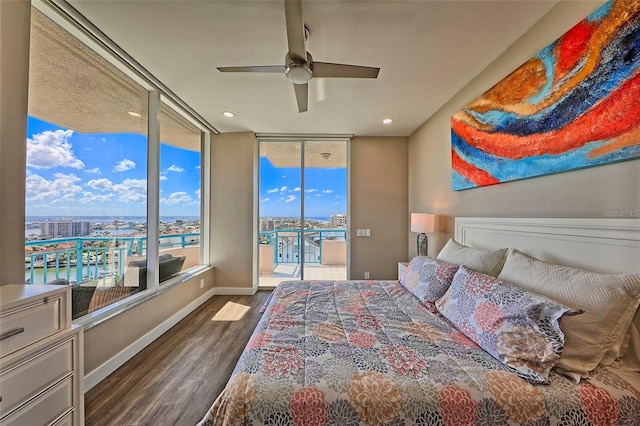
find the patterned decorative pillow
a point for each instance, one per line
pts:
(516, 327)
(428, 279)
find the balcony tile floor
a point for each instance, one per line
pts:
(286, 272)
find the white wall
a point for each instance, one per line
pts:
(589, 192)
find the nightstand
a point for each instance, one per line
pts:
(402, 266)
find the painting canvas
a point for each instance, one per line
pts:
(575, 104)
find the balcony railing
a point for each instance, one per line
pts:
(292, 245)
(82, 259)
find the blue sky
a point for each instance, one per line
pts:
(280, 191)
(99, 174)
(77, 174)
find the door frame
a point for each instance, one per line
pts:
(300, 138)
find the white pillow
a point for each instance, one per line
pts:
(481, 260)
(608, 301)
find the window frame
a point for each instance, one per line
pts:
(79, 27)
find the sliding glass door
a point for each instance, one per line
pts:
(303, 210)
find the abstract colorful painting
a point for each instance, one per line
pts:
(575, 104)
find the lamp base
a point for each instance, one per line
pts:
(422, 244)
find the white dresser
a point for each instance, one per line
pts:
(41, 357)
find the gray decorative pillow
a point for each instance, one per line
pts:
(486, 261)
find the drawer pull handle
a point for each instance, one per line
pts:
(11, 333)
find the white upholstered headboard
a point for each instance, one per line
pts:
(610, 245)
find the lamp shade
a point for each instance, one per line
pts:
(423, 222)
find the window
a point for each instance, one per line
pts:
(88, 175)
(180, 193)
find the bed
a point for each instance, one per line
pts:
(397, 353)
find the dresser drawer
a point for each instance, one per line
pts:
(67, 420)
(46, 409)
(27, 378)
(26, 324)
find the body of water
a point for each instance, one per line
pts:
(107, 219)
(89, 273)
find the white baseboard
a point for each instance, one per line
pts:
(100, 373)
(235, 291)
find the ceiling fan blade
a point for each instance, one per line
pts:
(327, 70)
(302, 96)
(295, 28)
(265, 68)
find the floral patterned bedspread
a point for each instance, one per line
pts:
(369, 353)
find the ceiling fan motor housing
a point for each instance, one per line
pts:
(297, 70)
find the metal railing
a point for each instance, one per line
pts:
(82, 259)
(290, 244)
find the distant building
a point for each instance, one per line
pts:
(338, 221)
(267, 225)
(65, 228)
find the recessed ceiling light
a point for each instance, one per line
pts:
(228, 114)
(387, 121)
(134, 114)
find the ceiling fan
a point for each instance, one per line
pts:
(299, 66)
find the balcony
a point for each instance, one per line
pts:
(98, 261)
(103, 260)
(282, 253)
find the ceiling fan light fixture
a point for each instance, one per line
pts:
(298, 73)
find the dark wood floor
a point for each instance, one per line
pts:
(174, 380)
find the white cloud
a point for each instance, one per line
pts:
(197, 167)
(124, 165)
(283, 189)
(311, 190)
(95, 171)
(264, 200)
(271, 191)
(174, 168)
(198, 194)
(103, 184)
(296, 189)
(131, 190)
(290, 198)
(177, 198)
(327, 191)
(128, 191)
(163, 178)
(91, 197)
(63, 187)
(52, 149)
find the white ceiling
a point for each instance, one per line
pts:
(427, 51)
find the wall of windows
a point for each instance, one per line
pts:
(113, 198)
